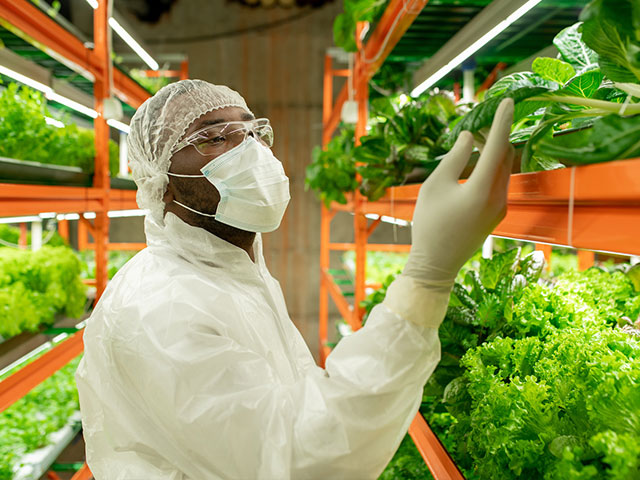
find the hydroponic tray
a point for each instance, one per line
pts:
(14, 348)
(34, 173)
(35, 464)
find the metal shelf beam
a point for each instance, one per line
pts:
(17, 199)
(28, 22)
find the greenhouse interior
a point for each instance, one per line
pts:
(287, 239)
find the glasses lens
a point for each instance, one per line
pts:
(264, 133)
(217, 139)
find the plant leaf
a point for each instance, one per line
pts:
(573, 50)
(344, 32)
(482, 115)
(583, 85)
(611, 138)
(519, 80)
(610, 28)
(553, 69)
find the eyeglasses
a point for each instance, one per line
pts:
(219, 138)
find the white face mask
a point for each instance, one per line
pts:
(254, 190)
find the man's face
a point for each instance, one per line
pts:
(198, 193)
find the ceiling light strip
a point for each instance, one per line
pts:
(473, 48)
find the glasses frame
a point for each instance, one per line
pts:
(249, 126)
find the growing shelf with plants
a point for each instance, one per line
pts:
(574, 184)
(52, 166)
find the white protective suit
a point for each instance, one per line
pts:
(193, 369)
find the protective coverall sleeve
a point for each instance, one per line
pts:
(220, 411)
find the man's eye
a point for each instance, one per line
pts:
(218, 140)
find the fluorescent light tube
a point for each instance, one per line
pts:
(386, 219)
(67, 102)
(123, 127)
(127, 213)
(122, 33)
(48, 93)
(474, 47)
(26, 80)
(68, 216)
(54, 122)
(25, 219)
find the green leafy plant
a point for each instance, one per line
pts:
(151, 84)
(594, 84)
(404, 138)
(10, 236)
(332, 172)
(36, 286)
(115, 261)
(538, 379)
(344, 26)
(407, 463)
(391, 79)
(27, 136)
(27, 424)
(379, 264)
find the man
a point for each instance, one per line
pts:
(192, 367)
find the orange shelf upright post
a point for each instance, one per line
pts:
(545, 248)
(101, 177)
(184, 69)
(433, 452)
(325, 224)
(323, 324)
(83, 474)
(396, 19)
(360, 225)
(586, 259)
(22, 240)
(63, 229)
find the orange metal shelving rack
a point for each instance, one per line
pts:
(30, 23)
(594, 207)
(398, 203)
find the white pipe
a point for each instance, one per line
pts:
(487, 247)
(468, 85)
(124, 168)
(36, 236)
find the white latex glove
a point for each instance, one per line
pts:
(451, 220)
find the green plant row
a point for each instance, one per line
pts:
(27, 424)
(27, 136)
(115, 261)
(404, 135)
(595, 83)
(592, 89)
(538, 379)
(354, 11)
(36, 286)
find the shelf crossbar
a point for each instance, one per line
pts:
(433, 452)
(34, 26)
(17, 385)
(336, 294)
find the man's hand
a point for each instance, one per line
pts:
(451, 220)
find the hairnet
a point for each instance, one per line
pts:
(159, 124)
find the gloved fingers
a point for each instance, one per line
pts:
(454, 162)
(480, 138)
(495, 156)
(501, 180)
